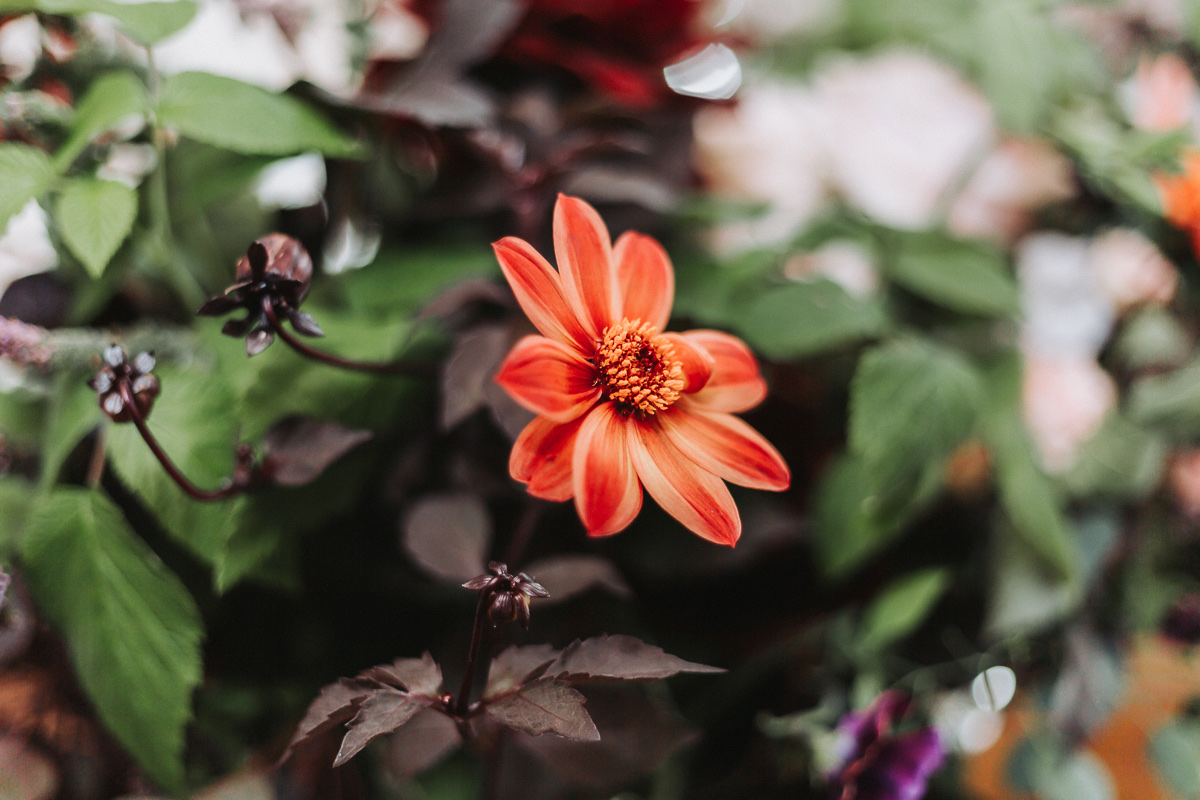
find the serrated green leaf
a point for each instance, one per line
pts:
(911, 403)
(1175, 751)
(93, 218)
(132, 629)
(112, 98)
(1170, 401)
(73, 412)
(1152, 337)
(802, 319)
(25, 173)
(1121, 459)
(901, 608)
(247, 119)
(193, 421)
(17, 496)
(963, 276)
(147, 22)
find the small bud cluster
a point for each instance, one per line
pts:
(141, 386)
(509, 594)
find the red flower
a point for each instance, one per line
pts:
(620, 405)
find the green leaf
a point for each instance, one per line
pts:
(25, 173)
(132, 629)
(911, 403)
(146, 22)
(17, 496)
(244, 118)
(1023, 597)
(399, 282)
(1121, 460)
(73, 412)
(901, 608)
(1152, 337)
(193, 421)
(93, 218)
(962, 276)
(1170, 401)
(112, 98)
(1175, 751)
(802, 319)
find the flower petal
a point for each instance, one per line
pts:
(541, 458)
(736, 384)
(697, 364)
(645, 278)
(549, 378)
(607, 493)
(727, 447)
(585, 264)
(685, 490)
(539, 291)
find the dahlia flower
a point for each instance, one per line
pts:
(620, 404)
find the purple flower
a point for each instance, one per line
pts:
(874, 764)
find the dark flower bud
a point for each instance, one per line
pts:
(1182, 623)
(134, 375)
(510, 594)
(276, 271)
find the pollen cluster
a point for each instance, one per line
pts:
(638, 368)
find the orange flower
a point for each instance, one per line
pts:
(1181, 196)
(621, 405)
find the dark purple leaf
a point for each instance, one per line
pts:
(259, 341)
(418, 676)
(304, 323)
(216, 306)
(449, 536)
(568, 576)
(425, 740)
(4, 580)
(515, 666)
(469, 371)
(298, 449)
(238, 327)
(618, 658)
(455, 301)
(545, 706)
(637, 733)
(382, 712)
(335, 705)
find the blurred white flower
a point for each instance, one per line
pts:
(1131, 270)
(1065, 312)
(900, 130)
(128, 163)
(20, 46)
(1065, 401)
(845, 262)
(963, 727)
(294, 182)
(395, 33)
(25, 248)
(351, 244)
(714, 73)
(763, 149)
(1162, 94)
(1018, 176)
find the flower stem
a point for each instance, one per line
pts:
(384, 368)
(230, 488)
(462, 704)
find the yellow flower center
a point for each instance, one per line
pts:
(638, 368)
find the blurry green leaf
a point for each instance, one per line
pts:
(1024, 597)
(147, 22)
(93, 218)
(911, 403)
(247, 119)
(1170, 401)
(1152, 338)
(1175, 751)
(193, 420)
(25, 173)
(1081, 774)
(17, 496)
(969, 277)
(22, 415)
(802, 319)
(901, 608)
(1121, 459)
(132, 629)
(112, 98)
(399, 282)
(72, 414)
(714, 292)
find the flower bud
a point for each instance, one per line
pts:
(135, 375)
(510, 594)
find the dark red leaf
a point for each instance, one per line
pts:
(568, 576)
(449, 536)
(418, 676)
(382, 712)
(336, 704)
(618, 658)
(420, 744)
(469, 371)
(515, 666)
(545, 706)
(637, 733)
(298, 449)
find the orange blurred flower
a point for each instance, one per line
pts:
(621, 405)
(1181, 196)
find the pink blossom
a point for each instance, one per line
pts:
(1131, 271)
(1065, 401)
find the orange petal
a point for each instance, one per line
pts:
(697, 364)
(607, 493)
(686, 491)
(549, 378)
(735, 384)
(541, 458)
(727, 447)
(645, 277)
(539, 291)
(585, 264)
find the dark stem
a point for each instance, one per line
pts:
(196, 493)
(523, 533)
(495, 758)
(462, 703)
(383, 368)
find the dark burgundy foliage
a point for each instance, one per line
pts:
(619, 658)
(516, 665)
(448, 536)
(568, 576)
(298, 449)
(545, 706)
(136, 375)
(423, 741)
(875, 763)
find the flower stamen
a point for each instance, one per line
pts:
(637, 368)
